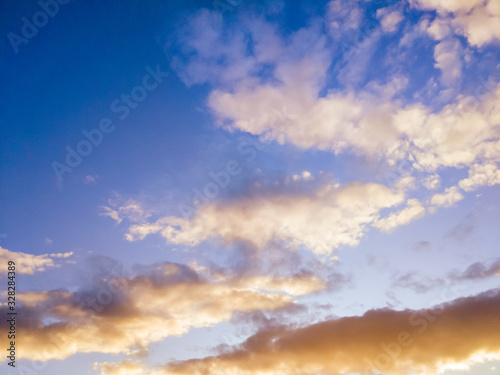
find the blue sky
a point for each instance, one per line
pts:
(215, 187)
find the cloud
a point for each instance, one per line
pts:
(440, 28)
(370, 122)
(477, 20)
(448, 55)
(422, 245)
(414, 32)
(28, 263)
(432, 182)
(417, 284)
(126, 314)
(457, 136)
(89, 179)
(120, 209)
(343, 17)
(412, 211)
(264, 72)
(450, 196)
(447, 5)
(321, 220)
(402, 342)
(481, 175)
(479, 270)
(120, 368)
(389, 19)
(461, 231)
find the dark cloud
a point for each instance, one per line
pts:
(125, 314)
(479, 270)
(418, 284)
(422, 246)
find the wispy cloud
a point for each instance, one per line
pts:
(479, 270)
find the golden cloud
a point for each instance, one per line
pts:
(455, 334)
(329, 217)
(127, 314)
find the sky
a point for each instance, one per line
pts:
(238, 187)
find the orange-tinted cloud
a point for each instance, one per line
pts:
(127, 314)
(321, 220)
(395, 342)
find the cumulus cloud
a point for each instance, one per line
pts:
(369, 122)
(427, 341)
(432, 181)
(457, 136)
(481, 175)
(448, 56)
(29, 263)
(477, 20)
(482, 25)
(450, 196)
(125, 315)
(330, 216)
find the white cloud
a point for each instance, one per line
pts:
(444, 6)
(412, 211)
(440, 28)
(28, 263)
(477, 20)
(322, 220)
(432, 181)
(450, 196)
(481, 175)
(389, 19)
(448, 56)
(482, 25)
